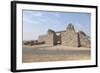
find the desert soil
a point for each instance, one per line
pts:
(54, 53)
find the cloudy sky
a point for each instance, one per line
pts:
(37, 23)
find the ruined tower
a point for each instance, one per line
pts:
(70, 37)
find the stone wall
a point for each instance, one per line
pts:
(69, 38)
(84, 39)
(50, 38)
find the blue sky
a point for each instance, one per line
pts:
(37, 23)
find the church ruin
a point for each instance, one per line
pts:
(68, 37)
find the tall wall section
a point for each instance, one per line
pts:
(70, 37)
(50, 38)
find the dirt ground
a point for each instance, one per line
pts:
(54, 53)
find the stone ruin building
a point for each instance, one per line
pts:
(69, 37)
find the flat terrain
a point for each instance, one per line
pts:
(55, 53)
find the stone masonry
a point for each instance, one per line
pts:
(69, 37)
(50, 38)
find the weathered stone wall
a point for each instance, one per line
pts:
(69, 38)
(84, 39)
(66, 38)
(50, 38)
